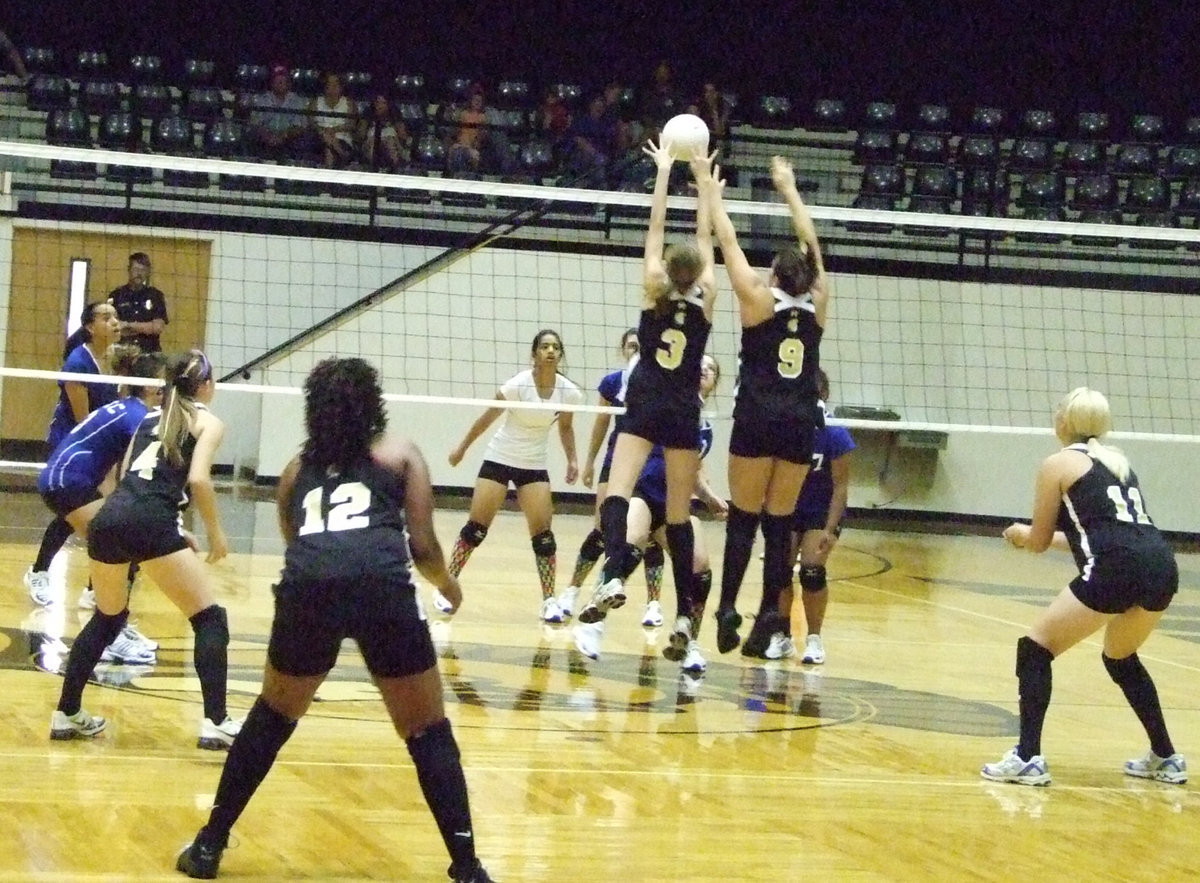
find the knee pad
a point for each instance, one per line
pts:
(812, 577)
(211, 626)
(543, 544)
(777, 534)
(593, 546)
(654, 556)
(1123, 671)
(473, 533)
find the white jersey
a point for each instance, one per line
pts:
(521, 440)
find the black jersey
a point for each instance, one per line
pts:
(347, 524)
(151, 476)
(671, 344)
(777, 366)
(1101, 514)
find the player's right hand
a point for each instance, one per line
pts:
(452, 592)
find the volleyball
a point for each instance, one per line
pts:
(685, 136)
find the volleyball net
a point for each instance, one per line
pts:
(946, 322)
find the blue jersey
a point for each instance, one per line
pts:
(612, 390)
(652, 483)
(831, 442)
(93, 447)
(80, 361)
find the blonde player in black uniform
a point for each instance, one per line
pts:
(1127, 578)
(170, 456)
(776, 409)
(356, 512)
(661, 407)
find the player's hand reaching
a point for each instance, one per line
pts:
(661, 156)
(782, 174)
(702, 168)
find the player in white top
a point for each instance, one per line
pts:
(516, 455)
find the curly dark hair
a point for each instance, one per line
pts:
(343, 413)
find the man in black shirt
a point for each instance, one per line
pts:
(141, 307)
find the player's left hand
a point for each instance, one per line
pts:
(572, 472)
(719, 508)
(218, 547)
(1017, 534)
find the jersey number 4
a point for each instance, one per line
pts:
(1127, 501)
(347, 503)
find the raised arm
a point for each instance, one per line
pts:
(654, 274)
(754, 297)
(784, 178)
(702, 171)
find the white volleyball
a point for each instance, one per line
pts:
(685, 136)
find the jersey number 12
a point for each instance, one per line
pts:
(347, 503)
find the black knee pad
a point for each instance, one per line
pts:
(1123, 671)
(777, 534)
(473, 533)
(543, 544)
(654, 556)
(593, 546)
(211, 626)
(812, 577)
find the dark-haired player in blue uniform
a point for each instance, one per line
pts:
(775, 411)
(356, 512)
(816, 526)
(1087, 500)
(170, 458)
(98, 328)
(678, 291)
(71, 482)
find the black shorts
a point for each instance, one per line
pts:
(671, 430)
(658, 511)
(127, 530)
(313, 617)
(64, 501)
(1116, 581)
(788, 440)
(804, 521)
(604, 471)
(501, 474)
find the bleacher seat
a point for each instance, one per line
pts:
(307, 82)
(202, 104)
(1042, 197)
(145, 69)
(198, 72)
(773, 112)
(879, 116)
(1092, 126)
(99, 97)
(930, 148)
(1032, 154)
(151, 100)
(173, 134)
(357, 84)
(1084, 156)
(250, 78)
(48, 92)
(933, 192)
(69, 127)
(1183, 161)
(933, 118)
(39, 60)
(1041, 124)
(1133, 158)
(122, 130)
(827, 115)
(874, 147)
(409, 88)
(91, 64)
(987, 120)
(513, 95)
(978, 151)
(1146, 128)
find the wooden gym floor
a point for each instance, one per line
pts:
(865, 768)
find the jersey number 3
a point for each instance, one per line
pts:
(1127, 501)
(675, 342)
(347, 503)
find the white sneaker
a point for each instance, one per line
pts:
(551, 611)
(780, 647)
(653, 617)
(694, 660)
(218, 737)
(38, 583)
(442, 604)
(589, 638)
(678, 642)
(1011, 768)
(608, 596)
(814, 650)
(125, 649)
(1171, 769)
(132, 633)
(566, 601)
(87, 599)
(79, 725)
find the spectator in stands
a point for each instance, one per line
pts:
(387, 143)
(551, 120)
(141, 308)
(661, 101)
(280, 127)
(592, 142)
(336, 119)
(466, 153)
(14, 56)
(713, 108)
(626, 136)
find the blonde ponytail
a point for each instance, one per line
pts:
(1113, 459)
(1085, 417)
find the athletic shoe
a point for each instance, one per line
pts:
(1171, 769)
(125, 649)
(1011, 768)
(589, 637)
(653, 617)
(120, 675)
(442, 604)
(38, 583)
(759, 639)
(476, 874)
(566, 601)
(814, 650)
(131, 632)
(677, 643)
(79, 725)
(694, 660)
(728, 622)
(608, 596)
(781, 646)
(218, 737)
(199, 860)
(87, 599)
(551, 611)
